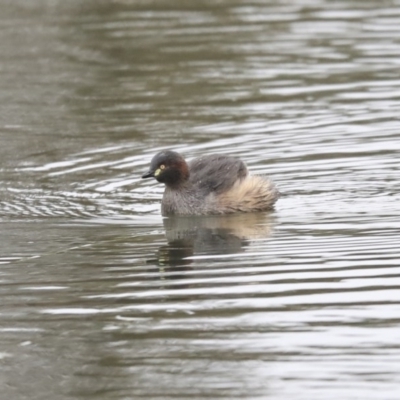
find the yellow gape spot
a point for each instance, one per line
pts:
(157, 172)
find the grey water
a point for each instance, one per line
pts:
(101, 297)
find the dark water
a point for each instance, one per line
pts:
(102, 298)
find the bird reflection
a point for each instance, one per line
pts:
(209, 235)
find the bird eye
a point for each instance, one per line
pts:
(162, 166)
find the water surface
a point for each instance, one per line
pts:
(102, 297)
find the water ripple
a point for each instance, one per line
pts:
(102, 295)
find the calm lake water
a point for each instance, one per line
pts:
(102, 298)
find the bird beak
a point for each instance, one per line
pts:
(149, 174)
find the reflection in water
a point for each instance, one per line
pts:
(210, 235)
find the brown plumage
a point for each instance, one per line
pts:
(214, 184)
